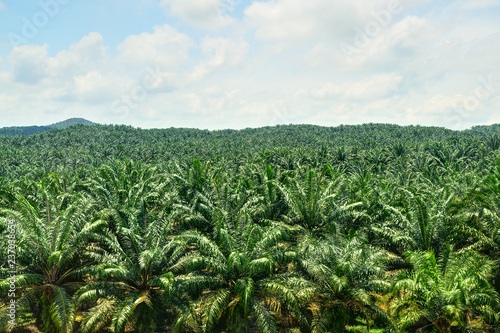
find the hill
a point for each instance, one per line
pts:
(72, 122)
(30, 130)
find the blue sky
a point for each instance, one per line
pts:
(239, 63)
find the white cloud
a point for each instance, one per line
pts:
(203, 14)
(95, 87)
(220, 52)
(2, 5)
(29, 63)
(165, 47)
(443, 110)
(87, 54)
(378, 86)
(480, 4)
(403, 39)
(439, 104)
(299, 21)
(8, 102)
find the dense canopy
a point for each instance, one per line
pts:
(280, 229)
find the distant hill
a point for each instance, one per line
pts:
(72, 122)
(30, 130)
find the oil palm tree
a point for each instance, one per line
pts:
(311, 201)
(450, 290)
(122, 190)
(55, 247)
(264, 198)
(419, 220)
(132, 286)
(348, 274)
(240, 278)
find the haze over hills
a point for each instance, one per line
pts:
(29, 130)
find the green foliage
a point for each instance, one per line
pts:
(447, 291)
(281, 229)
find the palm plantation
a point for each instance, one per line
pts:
(374, 228)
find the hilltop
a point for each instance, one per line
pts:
(72, 122)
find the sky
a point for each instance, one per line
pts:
(217, 64)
